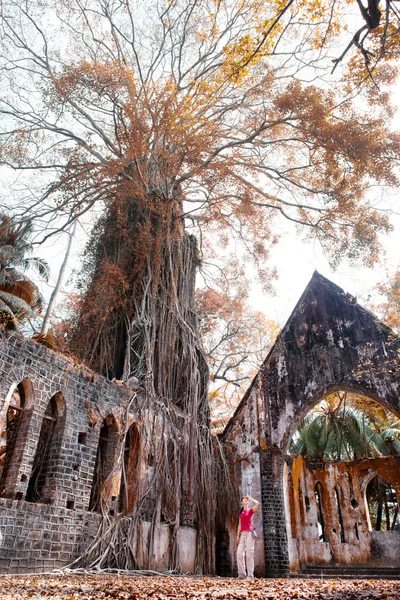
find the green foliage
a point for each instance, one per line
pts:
(20, 298)
(342, 428)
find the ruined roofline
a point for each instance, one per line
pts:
(62, 362)
(316, 279)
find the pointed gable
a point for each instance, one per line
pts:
(329, 342)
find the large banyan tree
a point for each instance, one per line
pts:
(173, 113)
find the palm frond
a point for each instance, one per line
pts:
(19, 307)
(354, 432)
(345, 432)
(46, 339)
(6, 311)
(390, 434)
(38, 264)
(316, 437)
(24, 289)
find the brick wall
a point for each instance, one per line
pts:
(40, 536)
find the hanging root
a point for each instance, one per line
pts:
(153, 337)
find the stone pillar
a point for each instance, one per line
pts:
(273, 512)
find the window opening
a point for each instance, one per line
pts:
(13, 421)
(339, 510)
(104, 462)
(320, 514)
(130, 474)
(43, 456)
(382, 505)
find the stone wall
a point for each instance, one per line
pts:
(329, 343)
(346, 538)
(40, 535)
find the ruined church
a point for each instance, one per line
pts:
(66, 433)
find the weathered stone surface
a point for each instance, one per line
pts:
(37, 536)
(329, 343)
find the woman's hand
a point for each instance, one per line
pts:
(256, 503)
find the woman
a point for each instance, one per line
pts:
(245, 539)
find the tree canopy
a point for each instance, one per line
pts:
(236, 340)
(170, 118)
(389, 306)
(219, 100)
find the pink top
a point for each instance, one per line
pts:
(245, 519)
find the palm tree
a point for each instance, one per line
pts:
(341, 428)
(20, 298)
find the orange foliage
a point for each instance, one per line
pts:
(236, 340)
(390, 307)
(195, 117)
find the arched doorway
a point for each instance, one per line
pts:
(17, 412)
(105, 462)
(130, 470)
(46, 455)
(329, 343)
(344, 436)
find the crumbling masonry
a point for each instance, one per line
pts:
(64, 429)
(329, 343)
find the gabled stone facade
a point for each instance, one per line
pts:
(329, 343)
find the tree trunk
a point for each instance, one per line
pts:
(137, 316)
(60, 279)
(137, 319)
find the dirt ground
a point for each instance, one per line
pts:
(73, 586)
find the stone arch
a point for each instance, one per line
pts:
(105, 464)
(323, 393)
(15, 418)
(42, 477)
(329, 342)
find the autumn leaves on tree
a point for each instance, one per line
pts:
(198, 116)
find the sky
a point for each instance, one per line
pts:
(297, 260)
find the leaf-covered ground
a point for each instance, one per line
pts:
(126, 587)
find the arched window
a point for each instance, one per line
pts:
(44, 457)
(320, 512)
(340, 518)
(130, 471)
(104, 461)
(13, 420)
(382, 505)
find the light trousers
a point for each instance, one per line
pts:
(245, 555)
